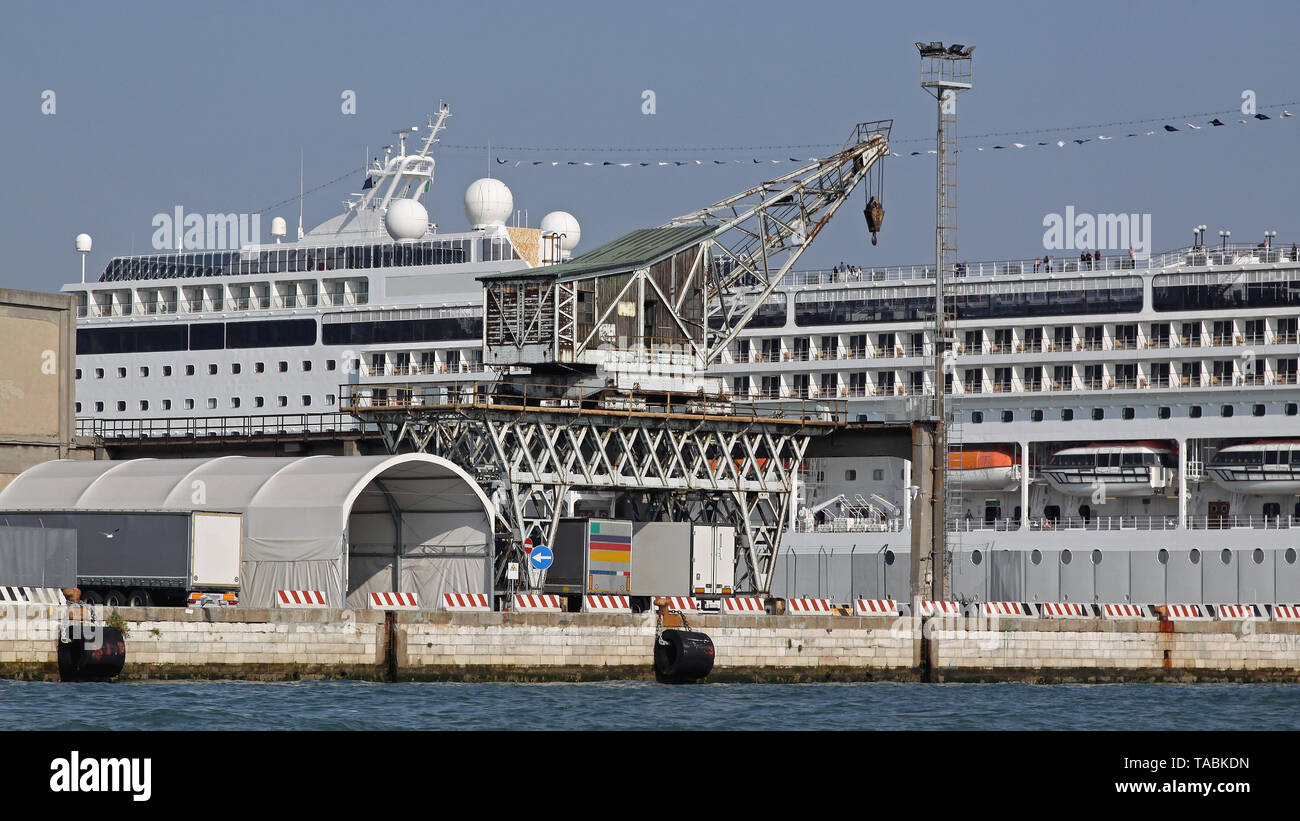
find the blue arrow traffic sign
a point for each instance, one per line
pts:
(541, 557)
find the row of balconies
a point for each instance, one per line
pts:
(206, 305)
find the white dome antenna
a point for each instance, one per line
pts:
(406, 220)
(566, 225)
(279, 228)
(488, 202)
(83, 244)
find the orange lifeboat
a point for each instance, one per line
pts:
(985, 468)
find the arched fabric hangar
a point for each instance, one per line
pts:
(344, 525)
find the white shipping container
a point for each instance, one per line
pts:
(216, 549)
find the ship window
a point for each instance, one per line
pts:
(1194, 556)
(1052, 513)
(1127, 413)
(1272, 510)
(1036, 415)
(189, 404)
(78, 373)
(977, 417)
(1065, 556)
(99, 407)
(877, 475)
(1098, 414)
(1226, 410)
(121, 373)
(167, 404)
(306, 400)
(1008, 416)
(144, 404)
(1290, 551)
(208, 337)
(99, 373)
(284, 367)
(1096, 557)
(189, 370)
(167, 370)
(259, 367)
(1067, 415)
(121, 406)
(1270, 458)
(280, 333)
(235, 367)
(976, 557)
(330, 364)
(1163, 412)
(1291, 408)
(259, 401)
(1163, 556)
(1258, 410)
(1194, 411)
(850, 475)
(234, 401)
(1226, 556)
(212, 369)
(212, 403)
(306, 364)
(1036, 556)
(330, 399)
(282, 401)
(78, 404)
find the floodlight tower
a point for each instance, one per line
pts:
(945, 73)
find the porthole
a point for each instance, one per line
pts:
(1226, 556)
(1096, 557)
(1163, 556)
(1289, 555)
(1036, 556)
(1065, 556)
(1194, 556)
(889, 557)
(976, 557)
(1258, 556)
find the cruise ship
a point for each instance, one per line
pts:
(1123, 429)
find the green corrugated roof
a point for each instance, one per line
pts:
(635, 250)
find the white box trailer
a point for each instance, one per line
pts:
(683, 559)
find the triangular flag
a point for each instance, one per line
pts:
(500, 161)
(1060, 144)
(1261, 116)
(1080, 142)
(1170, 128)
(1216, 122)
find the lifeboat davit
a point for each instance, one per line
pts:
(1114, 469)
(987, 468)
(1261, 468)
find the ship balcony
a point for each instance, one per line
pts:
(1251, 522)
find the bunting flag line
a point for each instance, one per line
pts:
(1162, 128)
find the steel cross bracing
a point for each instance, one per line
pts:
(727, 470)
(781, 216)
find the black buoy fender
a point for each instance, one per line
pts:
(97, 656)
(682, 656)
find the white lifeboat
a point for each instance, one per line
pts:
(1262, 468)
(1114, 469)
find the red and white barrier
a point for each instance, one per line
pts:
(300, 598)
(1286, 612)
(1064, 610)
(1125, 611)
(1004, 608)
(1236, 612)
(1185, 612)
(875, 607)
(32, 595)
(535, 603)
(463, 602)
(943, 609)
(683, 604)
(750, 605)
(809, 606)
(393, 601)
(607, 604)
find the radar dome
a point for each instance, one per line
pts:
(83, 243)
(278, 227)
(406, 220)
(488, 202)
(562, 222)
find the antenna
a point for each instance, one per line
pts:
(299, 194)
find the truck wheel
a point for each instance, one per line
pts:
(115, 598)
(93, 597)
(139, 598)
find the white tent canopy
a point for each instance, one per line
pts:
(345, 525)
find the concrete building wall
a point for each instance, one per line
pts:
(37, 386)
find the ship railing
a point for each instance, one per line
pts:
(204, 426)
(1252, 521)
(850, 525)
(1108, 523)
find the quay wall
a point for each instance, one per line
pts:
(279, 645)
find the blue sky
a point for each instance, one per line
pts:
(159, 105)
